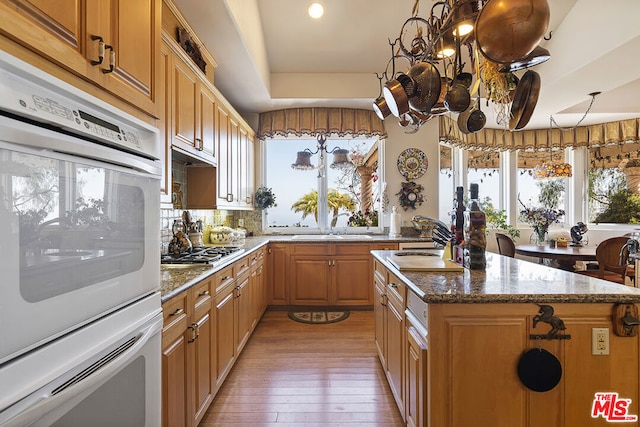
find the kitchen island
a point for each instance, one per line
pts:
(451, 344)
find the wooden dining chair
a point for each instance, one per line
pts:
(506, 246)
(612, 264)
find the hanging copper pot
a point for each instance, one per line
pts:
(508, 30)
(457, 98)
(397, 92)
(381, 108)
(427, 83)
(462, 120)
(439, 107)
(525, 100)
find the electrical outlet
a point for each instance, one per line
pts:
(240, 222)
(599, 341)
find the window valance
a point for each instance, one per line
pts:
(599, 135)
(320, 121)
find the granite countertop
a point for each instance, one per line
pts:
(510, 280)
(176, 279)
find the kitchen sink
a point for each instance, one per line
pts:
(331, 237)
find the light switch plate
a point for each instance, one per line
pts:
(599, 341)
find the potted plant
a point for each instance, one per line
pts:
(264, 198)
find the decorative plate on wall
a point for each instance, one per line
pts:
(412, 163)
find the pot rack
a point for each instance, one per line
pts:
(439, 52)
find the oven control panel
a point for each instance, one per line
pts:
(29, 93)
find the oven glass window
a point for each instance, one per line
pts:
(78, 223)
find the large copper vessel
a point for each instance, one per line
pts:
(508, 30)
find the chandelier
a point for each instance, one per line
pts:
(458, 46)
(551, 169)
(340, 159)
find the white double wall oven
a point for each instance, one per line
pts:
(80, 315)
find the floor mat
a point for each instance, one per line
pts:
(318, 317)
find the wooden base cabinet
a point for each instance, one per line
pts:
(277, 274)
(390, 330)
(331, 275)
(466, 372)
(188, 382)
(416, 374)
(205, 329)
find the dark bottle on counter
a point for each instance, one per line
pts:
(458, 218)
(476, 242)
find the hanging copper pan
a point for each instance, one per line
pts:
(508, 30)
(381, 108)
(462, 120)
(397, 92)
(525, 100)
(426, 79)
(439, 107)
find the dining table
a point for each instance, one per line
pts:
(565, 257)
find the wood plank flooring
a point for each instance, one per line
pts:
(295, 374)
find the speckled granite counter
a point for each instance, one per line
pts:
(175, 279)
(511, 280)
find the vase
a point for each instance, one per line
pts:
(539, 237)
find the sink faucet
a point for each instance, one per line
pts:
(335, 218)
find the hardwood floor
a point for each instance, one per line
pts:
(295, 374)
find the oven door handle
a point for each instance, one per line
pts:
(47, 404)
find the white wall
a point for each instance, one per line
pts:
(426, 139)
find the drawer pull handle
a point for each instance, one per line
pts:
(203, 293)
(112, 60)
(100, 50)
(223, 278)
(393, 285)
(178, 312)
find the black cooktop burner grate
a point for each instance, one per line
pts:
(199, 255)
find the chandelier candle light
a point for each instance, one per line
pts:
(551, 169)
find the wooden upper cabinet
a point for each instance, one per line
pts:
(184, 98)
(207, 125)
(74, 34)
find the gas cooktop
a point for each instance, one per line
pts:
(200, 255)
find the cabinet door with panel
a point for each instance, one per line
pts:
(175, 367)
(113, 43)
(224, 332)
(380, 312)
(310, 280)
(277, 274)
(395, 334)
(203, 351)
(351, 280)
(244, 315)
(225, 181)
(416, 374)
(165, 71)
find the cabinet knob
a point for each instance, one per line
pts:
(203, 293)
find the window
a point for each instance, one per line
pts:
(549, 193)
(446, 192)
(614, 178)
(328, 194)
(483, 168)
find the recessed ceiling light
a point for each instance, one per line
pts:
(316, 10)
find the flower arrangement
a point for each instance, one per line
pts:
(264, 198)
(366, 219)
(540, 219)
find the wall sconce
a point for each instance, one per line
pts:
(303, 159)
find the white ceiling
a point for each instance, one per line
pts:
(271, 55)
